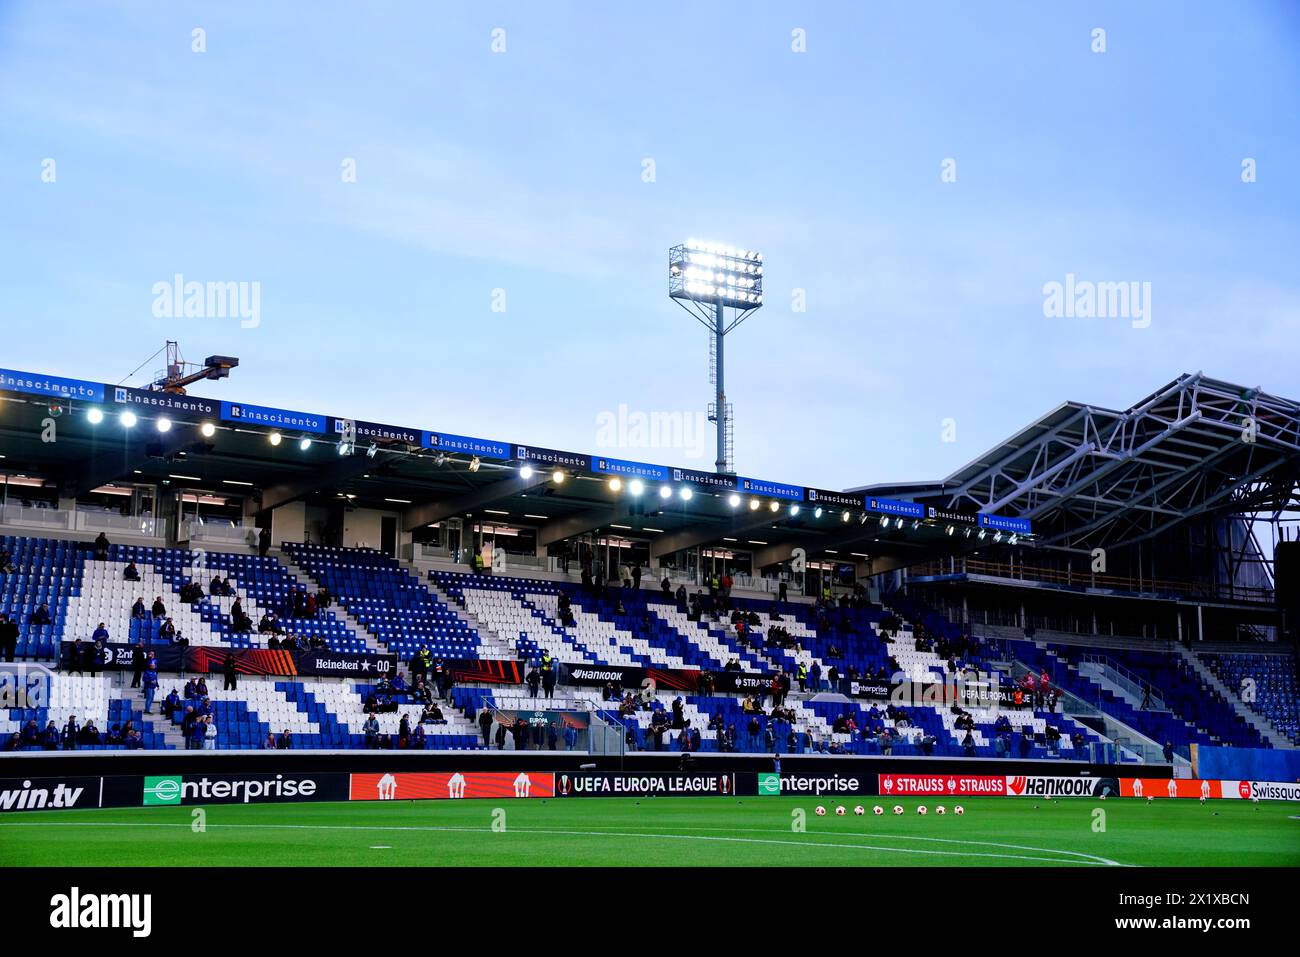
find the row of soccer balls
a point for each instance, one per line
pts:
(898, 809)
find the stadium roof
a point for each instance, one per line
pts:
(1082, 475)
(1088, 476)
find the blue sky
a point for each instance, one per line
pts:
(523, 171)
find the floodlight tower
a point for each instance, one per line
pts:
(708, 279)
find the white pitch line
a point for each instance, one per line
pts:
(1105, 862)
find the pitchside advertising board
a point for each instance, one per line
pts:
(171, 790)
(771, 784)
(644, 785)
(427, 786)
(1059, 786)
(48, 794)
(192, 789)
(931, 785)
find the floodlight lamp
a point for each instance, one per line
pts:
(526, 472)
(686, 494)
(304, 443)
(128, 419)
(274, 438)
(616, 485)
(208, 430)
(733, 500)
(95, 416)
(636, 486)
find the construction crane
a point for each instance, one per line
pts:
(180, 373)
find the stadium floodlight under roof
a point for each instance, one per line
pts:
(707, 279)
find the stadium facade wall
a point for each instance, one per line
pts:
(1249, 764)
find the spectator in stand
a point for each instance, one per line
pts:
(99, 658)
(433, 713)
(134, 741)
(89, 734)
(171, 705)
(101, 547)
(371, 729)
(15, 742)
(1169, 752)
(485, 725)
(158, 609)
(31, 734)
(40, 617)
(1052, 735)
(70, 733)
(570, 737)
(815, 676)
(418, 738)
(187, 726)
(264, 541)
(198, 734)
(137, 610)
(6, 562)
(8, 637)
(533, 680)
(138, 661)
(131, 574)
(50, 739)
(150, 683)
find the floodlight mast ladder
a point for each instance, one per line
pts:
(706, 279)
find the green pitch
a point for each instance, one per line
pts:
(665, 832)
